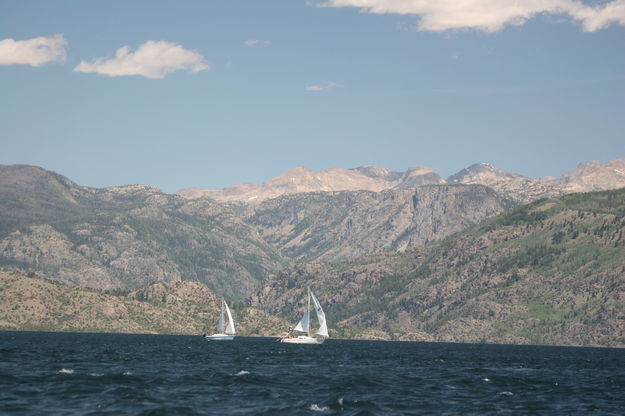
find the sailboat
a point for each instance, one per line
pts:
(304, 325)
(221, 335)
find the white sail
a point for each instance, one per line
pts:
(321, 317)
(230, 331)
(230, 327)
(302, 326)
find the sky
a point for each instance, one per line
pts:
(179, 94)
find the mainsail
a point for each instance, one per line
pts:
(304, 323)
(321, 317)
(230, 328)
(220, 324)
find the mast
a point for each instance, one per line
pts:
(308, 310)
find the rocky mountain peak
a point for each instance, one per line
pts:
(482, 173)
(292, 177)
(378, 172)
(595, 176)
(30, 176)
(32, 181)
(419, 176)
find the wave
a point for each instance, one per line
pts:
(65, 371)
(316, 408)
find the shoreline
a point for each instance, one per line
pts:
(621, 347)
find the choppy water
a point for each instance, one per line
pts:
(99, 374)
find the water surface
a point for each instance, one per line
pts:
(116, 374)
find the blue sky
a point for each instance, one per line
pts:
(253, 88)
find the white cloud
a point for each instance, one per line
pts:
(33, 52)
(256, 42)
(489, 15)
(152, 59)
(322, 87)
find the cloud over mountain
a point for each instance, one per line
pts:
(152, 59)
(489, 15)
(34, 52)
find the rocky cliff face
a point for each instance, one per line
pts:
(331, 226)
(551, 272)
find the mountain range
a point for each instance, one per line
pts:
(395, 255)
(586, 177)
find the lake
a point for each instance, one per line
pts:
(118, 374)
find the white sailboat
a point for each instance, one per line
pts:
(304, 325)
(221, 335)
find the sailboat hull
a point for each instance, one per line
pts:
(302, 340)
(219, 337)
